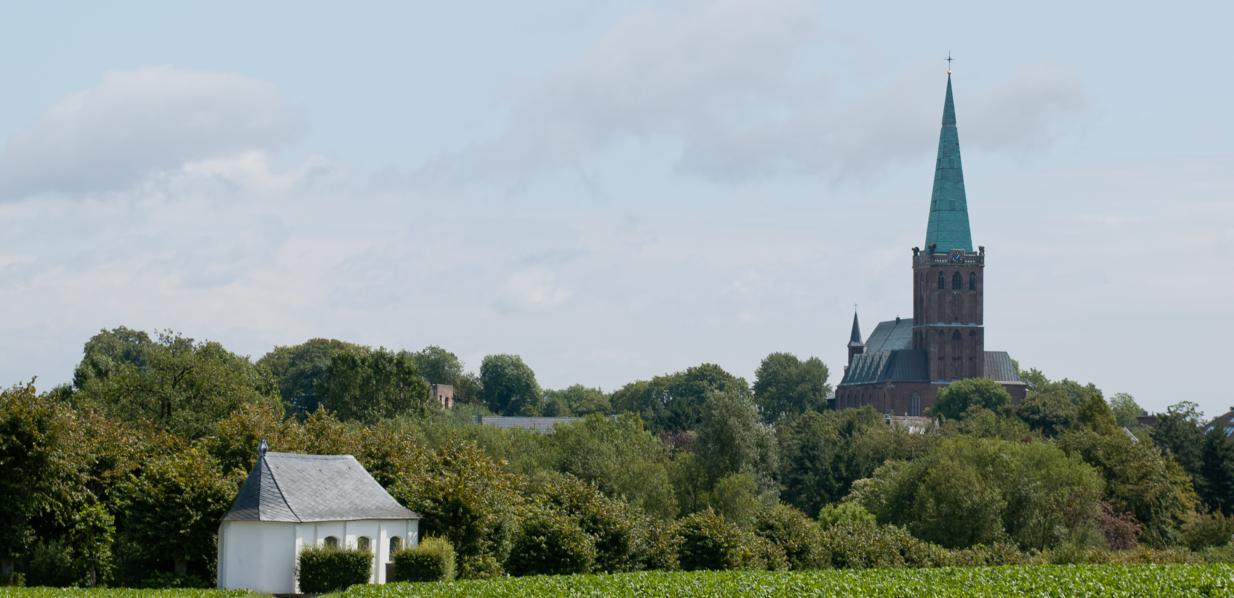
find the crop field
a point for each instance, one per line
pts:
(1034, 580)
(6, 592)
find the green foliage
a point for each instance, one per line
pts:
(844, 512)
(706, 540)
(1125, 410)
(969, 491)
(551, 543)
(170, 513)
(674, 402)
(796, 535)
(1180, 433)
(1216, 476)
(326, 569)
(1023, 580)
(1209, 529)
(508, 386)
(823, 453)
(30, 429)
(372, 385)
(611, 524)
(178, 385)
(620, 457)
(856, 544)
(576, 400)
(465, 496)
(737, 497)
(955, 399)
(785, 385)
(432, 560)
(301, 369)
(1139, 481)
(109, 351)
(732, 440)
(1052, 407)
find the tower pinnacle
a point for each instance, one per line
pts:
(948, 225)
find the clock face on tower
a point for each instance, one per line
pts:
(957, 257)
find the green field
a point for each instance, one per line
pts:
(1034, 580)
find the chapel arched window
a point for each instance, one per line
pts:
(957, 281)
(396, 544)
(942, 281)
(364, 544)
(330, 542)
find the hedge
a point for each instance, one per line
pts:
(432, 560)
(327, 569)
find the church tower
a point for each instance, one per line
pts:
(948, 275)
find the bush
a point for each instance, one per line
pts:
(163, 580)
(432, 560)
(842, 512)
(13, 579)
(862, 545)
(989, 555)
(610, 522)
(658, 551)
(798, 537)
(706, 540)
(50, 565)
(1211, 529)
(552, 544)
(328, 569)
(479, 566)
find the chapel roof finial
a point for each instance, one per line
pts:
(262, 447)
(948, 226)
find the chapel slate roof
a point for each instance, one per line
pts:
(299, 488)
(891, 335)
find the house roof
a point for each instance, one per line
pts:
(535, 424)
(1224, 422)
(298, 488)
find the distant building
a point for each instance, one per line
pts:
(290, 502)
(1224, 422)
(444, 394)
(901, 367)
(535, 424)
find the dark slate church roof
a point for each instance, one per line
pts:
(300, 488)
(889, 357)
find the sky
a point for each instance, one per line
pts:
(616, 190)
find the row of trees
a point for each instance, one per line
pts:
(128, 471)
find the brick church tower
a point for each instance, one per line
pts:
(900, 368)
(947, 275)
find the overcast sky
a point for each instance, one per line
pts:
(616, 190)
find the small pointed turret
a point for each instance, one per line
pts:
(948, 226)
(855, 346)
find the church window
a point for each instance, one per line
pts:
(957, 281)
(942, 281)
(396, 544)
(972, 281)
(364, 544)
(955, 336)
(914, 405)
(330, 542)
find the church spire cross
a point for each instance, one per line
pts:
(949, 59)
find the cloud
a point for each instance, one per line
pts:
(137, 122)
(531, 290)
(718, 88)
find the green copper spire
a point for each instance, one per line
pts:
(948, 228)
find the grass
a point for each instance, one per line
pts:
(1019, 580)
(6, 592)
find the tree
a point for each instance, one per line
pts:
(576, 400)
(170, 515)
(1216, 482)
(551, 543)
(732, 439)
(620, 457)
(612, 525)
(956, 398)
(1139, 481)
(674, 402)
(369, 386)
(300, 369)
(969, 491)
(30, 431)
(823, 453)
(180, 386)
(1053, 407)
(508, 386)
(108, 350)
(785, 385)
(1126, 411)
(1180, 433)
